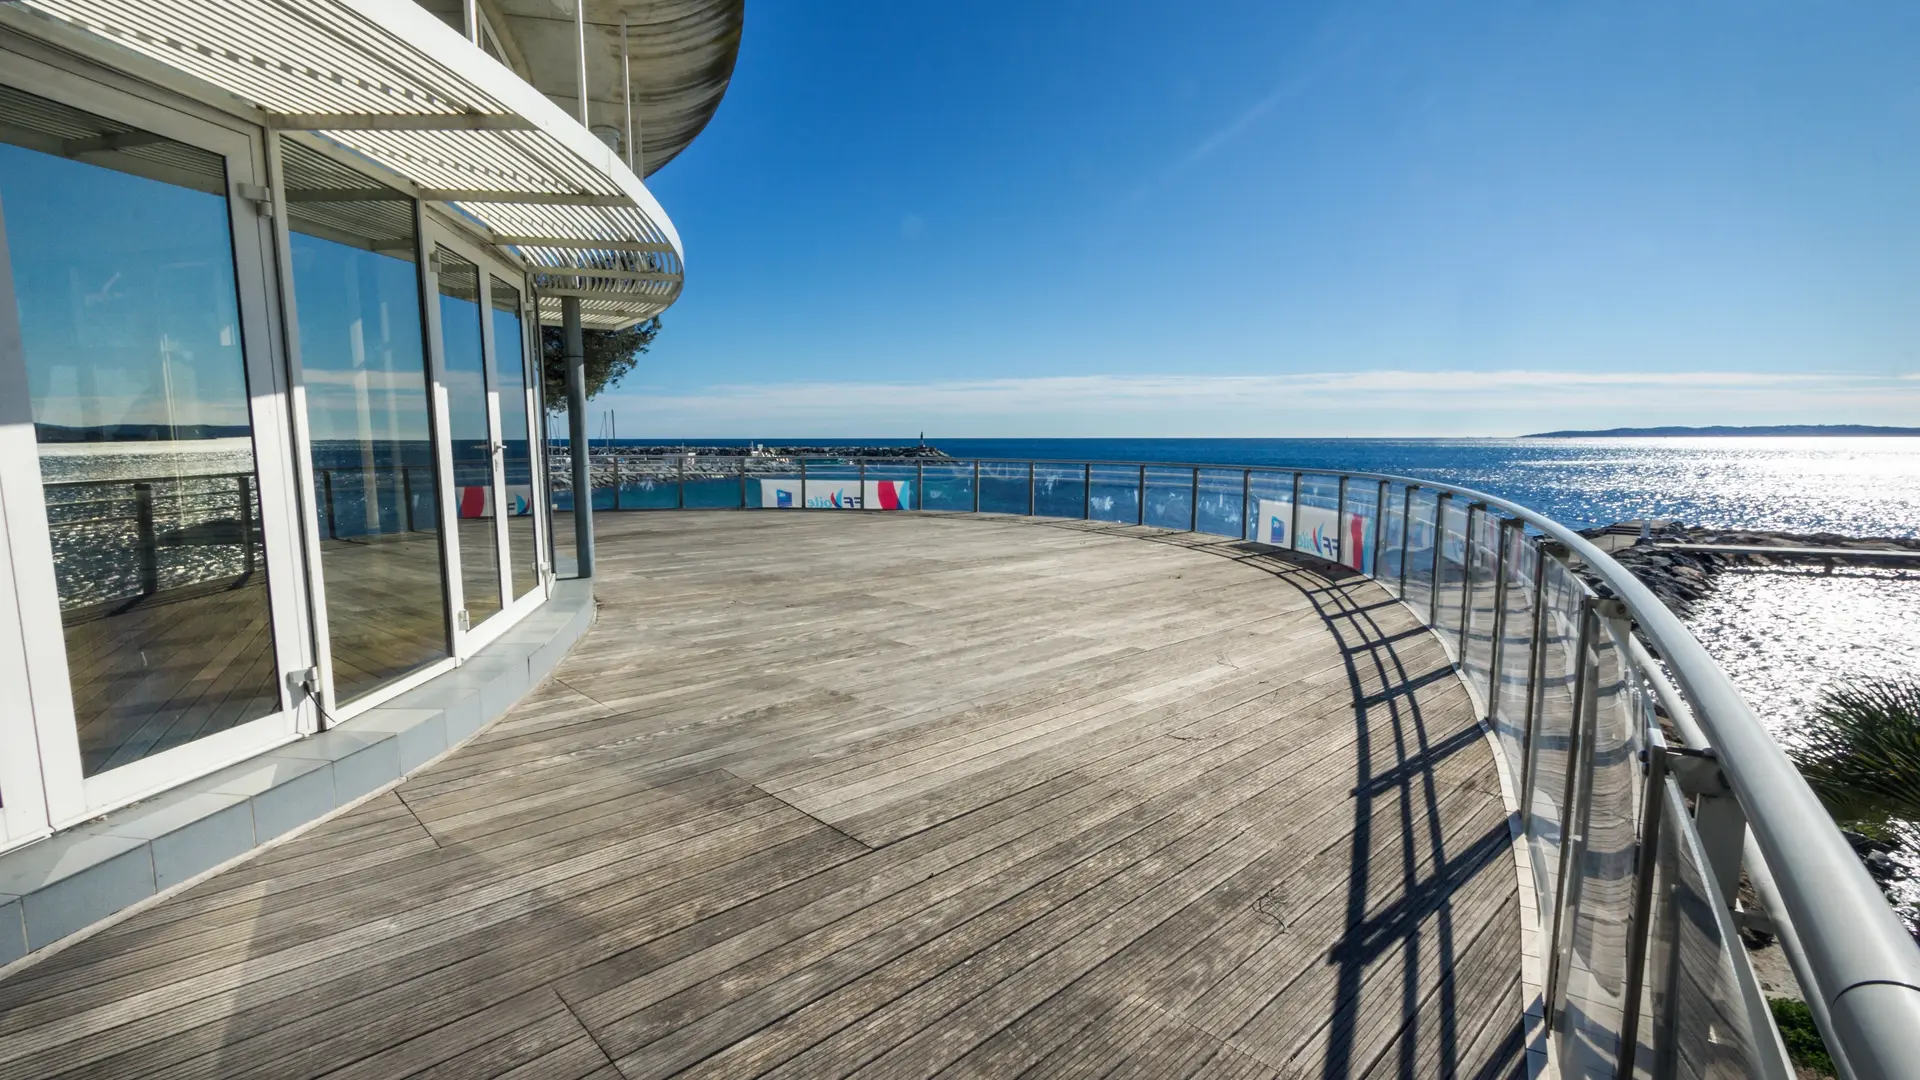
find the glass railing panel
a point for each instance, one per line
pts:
(1357, 517)
(948, 485)
(1003, 487)
(1222, 503)
(1393, 535)
(1553, 729)
(1116, 494)
(1482, 595)
(636, 483)
(1513, 690)
(891, 485)
(1418, 550)
(1060, 491)
(1696, 973)
(713, 483)
(1597, 912)
(1449, 581)
(832, 485)
(1318, 527)
(1169, 497)
(1271, 516)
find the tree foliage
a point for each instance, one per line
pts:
(1860, 751)
(610, 355)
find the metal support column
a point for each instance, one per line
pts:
(1406, 534)
(680, 486)
(1536, 673)
(976, 487)
(1143, 495)
(1030, 503)
(1086, 493)
(1466, 576)
(1293, 524)
(579, 450)
(1579, 733)
(1193, 503)
(1340, 524)
(580, 56)
(919, 485)
(1496, 651)
(1379, 528)
(803, 482)
(626, 93)
(863, 483)
(1246, 499)
(743, 482)
(1440, 501)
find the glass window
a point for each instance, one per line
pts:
(362, 352)
(123, 267)
(466, 379)
(510, 375)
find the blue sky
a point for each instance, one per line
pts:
(1121, 218)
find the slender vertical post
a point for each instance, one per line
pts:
(245, 493)
(626, 90)
(803, 482)
(1577, 733)
(1193, 503)
(1466, 576)
(470, 11)
(863, 483)
(1640, 928)
(1086, 492)
(326, 490)
(1142, 495)
(1440, 500)
(920, 485)
(580, 55)
(1030, 493)
(976, 487)
(680, 486)
(1495, 654)
(1406, 534)
(1293, 525)
(577, 443)
(406, 497)
(149, 543)
(1340, 525)
(1246, 499)
(1379, 527)
(743, 481)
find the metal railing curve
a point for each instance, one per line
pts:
(1637, 846)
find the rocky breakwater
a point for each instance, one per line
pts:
(1668, 558)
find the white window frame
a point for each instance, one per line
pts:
(70, 797)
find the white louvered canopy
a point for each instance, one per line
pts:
(389, 81)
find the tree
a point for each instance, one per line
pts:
(610, 354)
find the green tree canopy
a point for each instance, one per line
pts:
(610, 355)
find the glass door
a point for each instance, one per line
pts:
(155, 561)
(484, 353)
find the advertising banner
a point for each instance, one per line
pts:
(784, 493)
(1320, 531)
(477, 502)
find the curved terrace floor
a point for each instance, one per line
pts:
(879, 795)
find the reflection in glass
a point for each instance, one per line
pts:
(466, 378)
(510, 375)
(364, 364)
(124, 280)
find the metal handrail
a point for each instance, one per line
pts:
(1857, 964)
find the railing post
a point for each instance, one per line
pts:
(1143, 495)
(1536, 687)
(680, 489)
(1030, 502)
(149, 543)
(1640, 927)
(1193, 502)
(1496, 650)
(1380, 527)
(1572, 847)
(1406, 535)
(743, 481)
(1440, 500)
(245, 483)
(976, 487)
(406, 497)
(1466, 576)
(803, 482)
(863, 483)
(919, 485)
(1340, 523)
(326, 485)
(1086, 492)
(1293, 524)
(1246, 499)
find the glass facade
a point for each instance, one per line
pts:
(122, 255)
(363, 361)
(247, 502)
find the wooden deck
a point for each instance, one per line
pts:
(876, 795)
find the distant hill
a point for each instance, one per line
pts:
(61, 433)
(1721, 429)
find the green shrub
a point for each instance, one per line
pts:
(1861, 752)
(1804, 1044)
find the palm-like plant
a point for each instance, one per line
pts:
(1861, 752)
